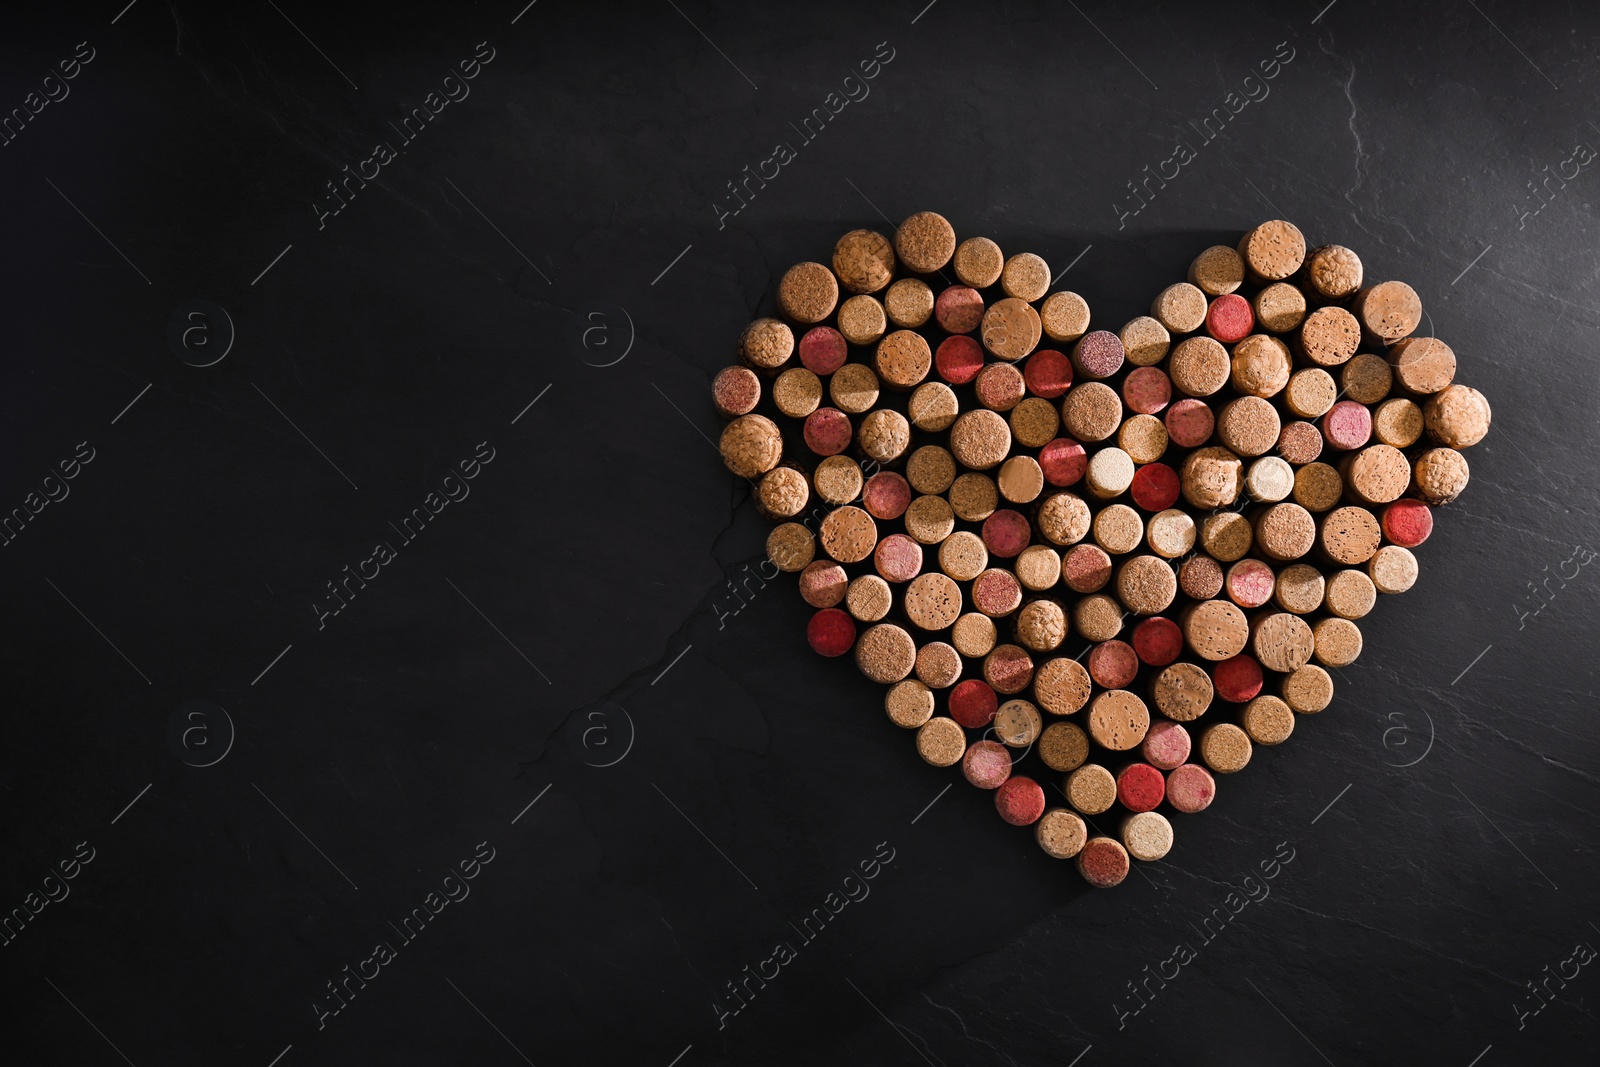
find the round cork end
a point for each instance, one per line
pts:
(986, 764)
(1041, 626)
(1166, 746)
(751, 445)
(735, 391)
(1407, 523)
(1422, 365)
(1237, 679)
(1310, 393)
(1317, 487)
(885, 653)
(1144, 341)
(1270, 478)
(1300, 443)
(1064, 317)
(1064, 518)
(1118, 720)
(931, 469)
(1156, 487)
(864, 261)
(1366, 379)
(1147, 390)
(1328, 337)
(1086, 569)
(823, 350)
(973, 704)
(1011, 329)
(1170, 533)
(862, 320)
(1026, 277)
(853, 388)
(848, 534)
(1299, 588)
(1190, 788)
(1098, 354)
(1338, 642)
(831, 632)
(974, 635)
(1034, 422)
(1148, 835)
(1285, 532)
(1000, 387)
(1103, 863)
(1212, 478)
(980, 439)
(1249, 583)
(868, 598)
(1017, 724)
(1227, 535)
(959, 359)
(1347, 425)
(1063, 746)
(1008, 669)
(925, 242)
(823, 584)
(1020, 801)
(1061, 833)
(996, 593)
(909, 704)
(1215, 629)
(1006, 533)
(1141, 787)
(938, 665)
(1260, 367)
(1061, 686)
(1282, 642)
(963, 556)
(1110, 471)
(959, 309)
(1350, 535)
(909, 303)
(1091, 789)
(797, 392)
(886, 496)
(1217, 271)
(808, 293)
(974, 497)
(1118, 529)
(1181, 308)
(884, 435)
(1279, 308)
(978, 262)
(1038, 568)
(1457, 416)
(941, 742)
(1377, 474)
(1440, 475)
(1091, 411)
(1397, 422)
(791, 547)
(766, 344)
(933, 602)
(1248, 426)
(1333, 272)
(837, 480)
(1229, 318)
(1225, 748)
(1267, 720)
(1351, 594)
(1143, 438)
(1189, 423)
(1146, 585)
(1273, 250)
(903, 359)
(783, 493)
(1048, 373)
(1182, 692)
(1200, 577)
(1200, 366)
(1308, 690)
(1389, 310)
(827, 431)
(898, 558)
(1393, 569)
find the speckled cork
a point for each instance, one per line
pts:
(1064, 317)
(1285, 532)
(1061, 686)
(980, 439)
(1048, 373)
(1281, 642)
(1200, 577)
(797, 392)
(862, 320)
(1199, 366)
(1110, 472)
(1103, 862)
(925, 242)
(929, 519)
(751, 445)
(1034, 422)
(868, 598)
(958, 309)
(941, 742)
(1377, 474)
(885, 653)
(1063, 746)
(837, 480)
(973, 635)
(1225, 748)
(1217, 271)
(808, 293)
(974, 496)
(1389, 310)
(1182, 692)
(791, 547)
(1393, 569)
(1098, 354)
(1118, 529)
(909, 704)
(1226, 535)
(1230, 318)
(1020, 801)
(1141, 787)
(1350, 594)
(1366, 379)
(1017, 724)
(978, 262)
(1328, 337)
(1308, 690)
(996, 593)
(986, 764)
(1166, 746)
(1347, 426)
(909, 303)
(1038, 568)
(1147, 835)
(902, 359)
(823, 350)
(1061, 833)
(1407, 523)
(864, 261)
(1268, 720)
(853, 388)
(1086, 569)
(1091, 789)
(1457, 416)
(1006, 533)
(1170, 533)
(1118, 720)
(848, 534)
(1064, 518)
(1273, 250)
(1181, 308)
(886, 496)
(1011, 329)
(766, 344)
(1422, 365)
(1279, 308)
(1113, 664)
(933, 602)
(884, 435)
(1439, 474)
(735, 391)
(963, 556)
(1212, 478)
(897, 558)
(999, 387)
(1349, 535)
(1248, 426)
(1143, 438)
(1338, 642)
(1300, 443)
(1146, 585)
(1144, 341)
(1215, 629)
(1189, 423)
(1397, 422)
(1008, 669)
(1310, 393)
(1146, 390)
(1041, 626)
(1260, 366)
(823, 584)
(783, 493)
(1299, 588)
(1333, 272)
(1091, 411)
(1026, 277)
(931, 469)
(1317, 487)
(1190, 788)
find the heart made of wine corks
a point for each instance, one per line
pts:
(1094, 568)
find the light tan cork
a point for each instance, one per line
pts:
(909, 704)
(1011, 329)
(783, 493)
(974, 497)
(1282, 642)
(1268, 720)
(974, 635)
(1063, 746)
(864, 261)
(1349, 535)
(1393, 569)
(1061, 686)
(1034, 422)
(925, 242)
(751, 445)
(1439, 474)
(1118, 529)
(1333, 272)
(838, 480)
(1273, 250)
(884, 435)
(909, 303)
(1457, 416)
(1248, 426)
(903, 359)
(1269, 479)
(1338, 642)
(1279, 308)
(1144, 341)
(933, 407)
(1217, 271)
(978, 262)
(1182, 692)
(1397, 422)
(1328, 337)
(791, 547)
(1260, 367)
(1389, 310)
(1041, 626)
(1285, 532)
(1215, 629)
(868, 598)
(1299, 588)
(1017, 724)
(938, 665)
(862, 320)
(1199, 366)
(1061, 833)
(929, 519)
(1091, 411)
(1146, 585)
(932, 601)
(1097, 617)
(1212, 477)
(1308, 690)
(848, 534)
(885, 653)
(1170, 533)
(1038, 568)
(1064, 317)
(766, 344)
(980, 439)
(1422, 365)
(963, 556)
(941, 742)
(1181, 308)
(1147, 835)
(1063, 518)
(1310, 393)
(808, 293)
(1025, 276)
(1377, 474)
(1351, 594)
(797, 392)
(1225, 748)
(1143, 438)
(853, 388)
(1021, 480)
(1091, 789)
(1109, 474)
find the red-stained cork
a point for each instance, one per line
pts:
(1189, 423)
(831, 632)
(1000, 387)
(1098, 354)
(1157, 641)
(1190, 788)
(1347, 425)
(996, 592)
(1063, 461)
(1407, 523)
(1103, 863)
(886, 496)
(898, 558)
(1141, 787)
(1166, 745)
(1146, 390)
(1155, 487)
(1020, 801)
(1238, 680)
(958, 359)
(958, 309)
(986, 764)
(1006, 533)
(735, 391)
(1229, 318)
(1250, 583)
(828, 431)
(823, 350)
(1113, 664)
(973, 704)
(1086, 569)
(1048, 373)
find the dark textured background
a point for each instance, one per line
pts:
(380, 750)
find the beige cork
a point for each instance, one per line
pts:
(1349, 535)
(1273, 250)
(903, 359)
(1440, 475)
(783, 493)
(1217, 271)
(1170, 533)
(938, 665)
(925, 242)
(1268, 720)
(1021, 480)
(1118, 720)
(1144, 341)
(1333, 272)
(941, 742)
(838, 480)
(1248, 426)
(1270, 478)
(1017, 724)
(1366, 379)
(1064, 518)
(933, 407)
(1227, 536)
(1011, 329)
(1281, 641)
(766, 344)
(963, 556)
(1064, 317)
(862, 320)
(1109, 474)
(1147, 835)
(980, 439)
(1328, 337)
(1061, 686)
(1317, 487)
(1091, 789)
(808, 293)
(1260, 366)
(1338, 642)
(1299, 588)
(974, 497)
(1457, 416)
(1393, 569)
(1143, 438)
(1091, 411)
(1063, 746)
(797, 392)
(978, 262)
(1180, 308)
(1285, 532)
(853, 388)
(1308, 690)
(1212, 478)
(1182, 692)
(1199, 366)
(1034, 422)
(1377, 474)
(868, 598)
(791, 547)
(885, 653)
(1146, 585)
(848, 534)
(1225, 748)
(1215, 629)
(1422, 365)
(909, 303)
(1118, 529)
(929, 519)
(864, 261)
(1351, 594)
(931, 469)
(1397, 422)
(1097, 618)
(1026, 277)
(1038, 568)
(1389, 310)
(1008, 669)
(909, 704)
(974, 635)
(884, 435)
(1041, 626)
(751, 445)
(1060, 832)
(1279, 308)
(1310, 393)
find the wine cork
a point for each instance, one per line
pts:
(1146, 390)
(1285, 532)
(973, 704)
(1229, 318)
(823, 350)
(1118, 529)
(1308, 690)
(986, 764)
(978, 262)
(1200, 577)
(974, 497)
(1270, 478)
(1273, 250)
(1199, 366)
(1189, 423)
(1064, 317)
(885, 653)
(864, 261)
(974, 635)
(735, 391)
(1351, 594)
(898, 558)
(1299, 443)
(1397, 422)
(1181, 308)
(1063, 518)
(1347, 425)
(1190, 788)
(1422, 365)
(1091, 411)
(1166, 746)
(933, 602)
(1182, 692)
(909, 704)
(1097, 617)
(980, 439)
(1048, 373)
(1317, 487)
(1267, 720)
(827, 431)
(1061, 686)
(1333, 272)
(1281, 642)
(783, 493)
(884, 435)
(1366, 379)
(903, 359)
(1215, 629)
(1110, 471)
(931, 469)
(837, 480)
(1017, 724)
(1063, 746)
(751, 445)
(1328, 337)
(808, 293)
(1260, 366)
(996, 593)
(941, 742)
(1008, 669)
(1020, 801)
(1349, 535)
(1061, 833)
(791, 547)
(1006, 533)
(1440, 475)
(1086, 569)
(1212, 478)
(1143, 438)
(1299, 588)
(1457, 416)
(766, 344)
(963, 556)
(1041, 626)
(1113, 664)
(933, 407)
(862, 320)
(1338, 642)
(925, 242)
(1146, 585)
(1063, 461)
(1034, 422)
(848, 534)
(1310, 392)
(1248, 426)
(1377, 474)
(1156, 487)
(1147, 835)
(958, 309)
(868, 598)
(1279, 308)
(1407, 522)
(1103, 862)
(1026, 277)
(930, 519)
(1217, 270)
(1011, 329)
(853, 388)
(1141, 787)
(831, 633)
(1170, 533)
(1227, 535)
(959, 359)
(1144, 341)
(909, 303)
(1393, 569)
(1389, 310)
(938, 665)
(1225, 748)
(1098, 354)
(999, 387)
(1249, 583)
(1118, 720)
(1091, 789)
(1038, 568)
(797, 392)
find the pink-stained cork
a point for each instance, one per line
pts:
(831, 632)
(1238, 680)
(1098, 354)
(828, 431)
(1063, 461)
(1020, 801)
(1155, 487)
(958, 359)
(1347, 425)
(1407, 522)
(1006, 533)
(1157, 641)
(1000, 387)
(823, 583)
(898, 558)
(996, 592)
(987, 764)
(959, 309)
(1103, 863)
(735, 391)
(1250, 583)
(1189, 423)
(1086, 569)
(1190, 788)
(973, 704)
(1113, 664)
(823, 350)
(1167, 745)
(1048, 373)
(1141, 787)
(1229, 318)
(1146, 390)
(886, 496)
